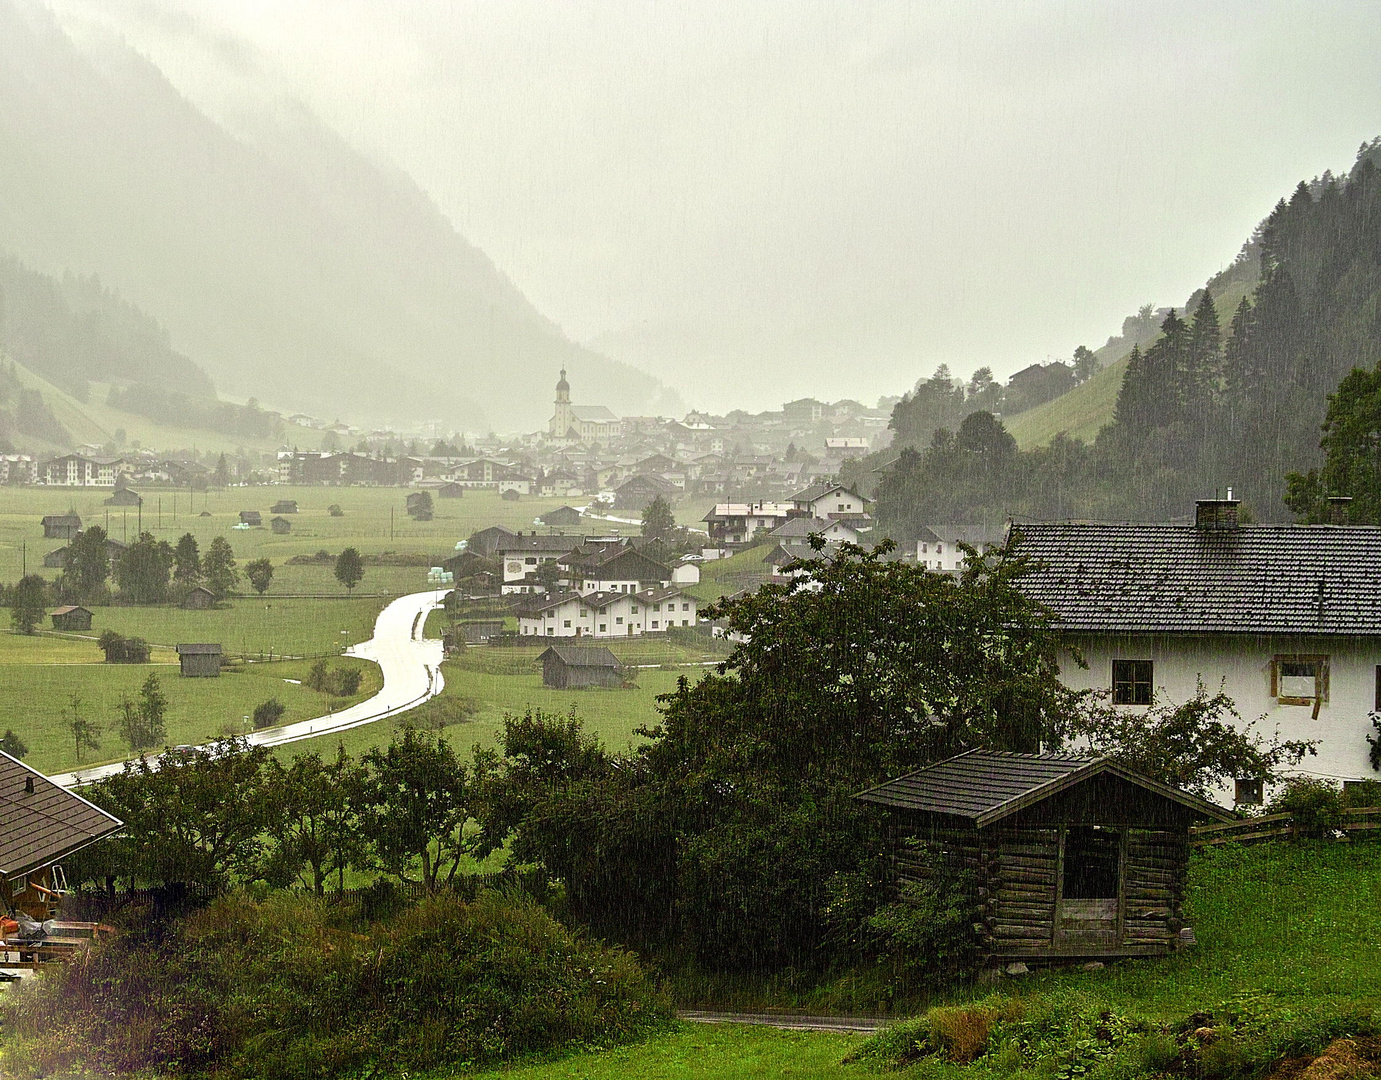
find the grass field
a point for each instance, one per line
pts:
(723, 577)
(374, 522)
(39, 697)
(507, 680)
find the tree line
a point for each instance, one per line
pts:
(1213, 401)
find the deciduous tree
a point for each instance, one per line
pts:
(349, 568)
(28, 603)
(260, 574)
(218, 568)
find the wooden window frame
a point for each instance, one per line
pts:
(1321, 666)
(1133, 682)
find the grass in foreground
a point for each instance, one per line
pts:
(704, 1052)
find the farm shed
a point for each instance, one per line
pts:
(451, 490)
(565, 668)
(124, 497)
(40, 824)
(284, 506)
(251, 517)
(281, 526)
(61, 526)
(1069, 856)
(199, 598)
(71, 617)
(200, 661)
(562, 517)
(480, 630)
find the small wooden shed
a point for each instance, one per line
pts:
(568, 668)
(562, 517)
(284, 506)
(199, 598)
(61, 526)
(251, 517)
(451, 490)
(200, 661)
(124, 497)
(71, 617)
(1068, 856)
(281, 526)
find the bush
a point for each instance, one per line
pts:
(1362, 793)
(268, 713)
(288, 988)
(340, 682)
(122, 650)
(1316, 805)
(335, 511)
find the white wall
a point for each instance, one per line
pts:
(1344, 720)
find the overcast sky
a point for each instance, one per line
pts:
(759, 201)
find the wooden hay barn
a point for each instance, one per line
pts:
(61, 526)
(566, 668)
(124, 497)
(451, 490)
(40, 824)
(71, 617)
(251, 517)
(199, 598)
(281, 526)
(200, 661)
(562, 517)
(1069, 857)
(284, 506)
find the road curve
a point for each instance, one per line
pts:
(411, 667)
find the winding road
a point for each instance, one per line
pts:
(410, 663)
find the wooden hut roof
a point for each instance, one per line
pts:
(198, 649)
(41, 826)
(985, 786)
(583, 657)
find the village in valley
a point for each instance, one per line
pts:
(598, 541)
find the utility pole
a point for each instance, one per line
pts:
(24, 558)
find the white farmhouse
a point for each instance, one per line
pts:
(1287, 618)
(608, 614)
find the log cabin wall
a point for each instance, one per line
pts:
(1021, 892)
(1157, 861)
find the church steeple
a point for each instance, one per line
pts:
(561, 420)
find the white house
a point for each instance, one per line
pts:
(738, 523)
(1287, 618)
(937, 546)
(830, 501)
(80, 470)
(521, 555)
(801, 528)
(608, 614)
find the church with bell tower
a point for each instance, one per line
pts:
(581, 423)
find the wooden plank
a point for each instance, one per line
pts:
(1200, 830)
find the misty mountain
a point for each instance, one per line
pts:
(288, 265)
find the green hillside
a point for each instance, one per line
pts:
(95, 422)
(1079, 414)
(1083, 411)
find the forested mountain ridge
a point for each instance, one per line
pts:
(1219, 398)
(289, 265)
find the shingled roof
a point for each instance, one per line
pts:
(582, 657)
(39, 827)
(1167, 578)
(985, 786)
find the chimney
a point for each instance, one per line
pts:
(28, 785)
(1217, 513)
(1337, 509)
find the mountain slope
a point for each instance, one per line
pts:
(289, 266)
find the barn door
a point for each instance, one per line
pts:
(1090, 908)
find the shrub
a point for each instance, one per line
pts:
(1362, 793)
(268, 713)
(335, 511)
(122, 650)
(287, 988)
(1316, 805)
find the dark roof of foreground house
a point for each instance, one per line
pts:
(582, 657)
(1169, 578)
(985, 786)
(38, 827)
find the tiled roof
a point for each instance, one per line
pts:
(532, 542)
(583, 657)
(198, 649)
(986, 786)
(1261, 579)
(40, 827)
